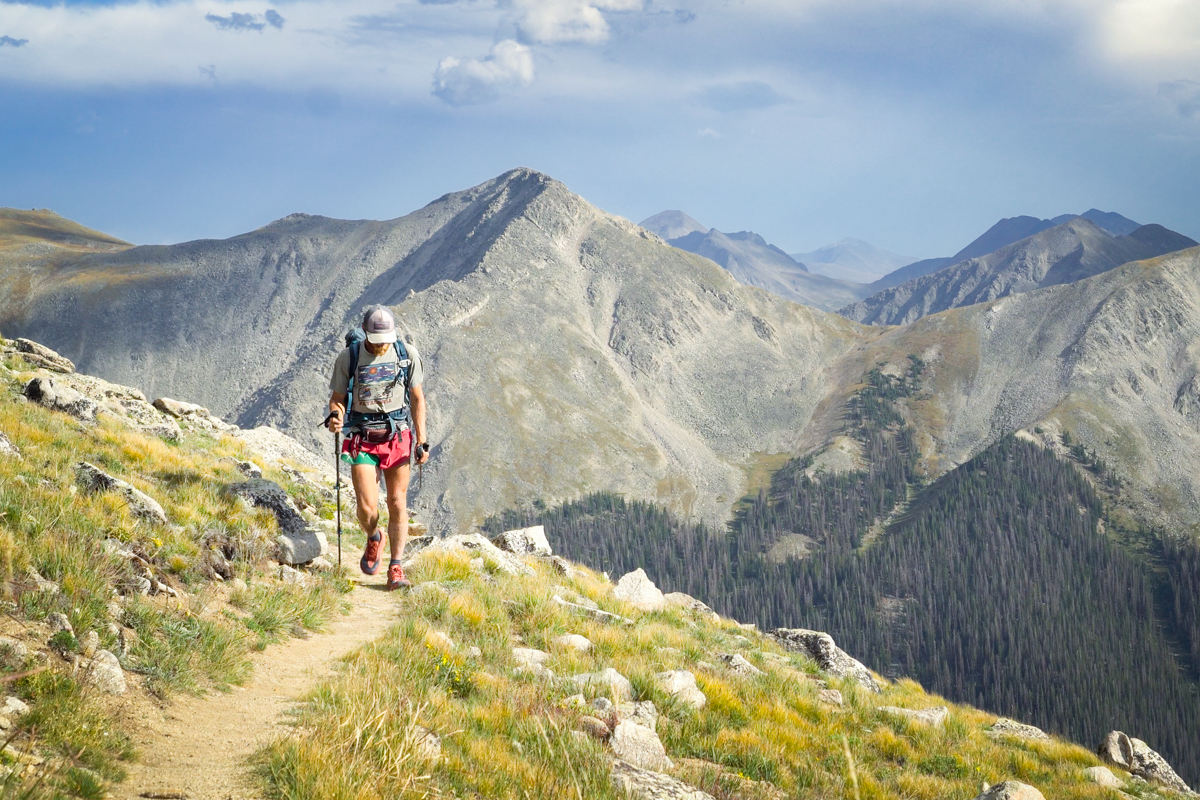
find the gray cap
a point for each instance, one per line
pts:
(379, 325)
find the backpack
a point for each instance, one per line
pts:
(397, 420)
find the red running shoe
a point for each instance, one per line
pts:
(369, 563)
(396, 579)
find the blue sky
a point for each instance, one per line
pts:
(914, 125)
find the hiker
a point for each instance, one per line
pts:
(386, 416)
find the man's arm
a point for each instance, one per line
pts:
(337, 407)
(417, 399)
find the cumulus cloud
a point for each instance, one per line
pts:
(461, 82)
(743, 96)
(8, 41)
(1184, 95)
(247, 22)
(556, 21)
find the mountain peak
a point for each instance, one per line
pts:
(672, 224)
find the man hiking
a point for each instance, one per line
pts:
(386, 416)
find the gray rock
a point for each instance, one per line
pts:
(10, 646)
(427, 745)
(105, 673)
(681, 684)
(7, 448)
(298, 543)
(179, 409)
(638, 745)
(644, 713)
(60, 397)
(594, 613)
(830, 697)
(525, 542)
(89, 643)
(13, 707)
(477, 546)
(91, 478)
(829, 657)
(1136, 757)
(428, 590)
(596, 728)
(249, 469)
(41, 356)
(639, 591)
(738, 665)
(608, 678)
(935, 716)
(1018, 730)
(1104, 777)
(42, 584)
(58, 622)
(168, 430)
(686, 602)
(573, 641)
(292, 576)
(603, 706)
(645, 784)
(1010, 790)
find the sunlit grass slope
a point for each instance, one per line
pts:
(197, 638)
(513, 736)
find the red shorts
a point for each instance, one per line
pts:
(384, 455)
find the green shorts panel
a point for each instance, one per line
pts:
(361, 458)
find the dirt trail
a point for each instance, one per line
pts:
(197, 747)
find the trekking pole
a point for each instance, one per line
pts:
(337, 467)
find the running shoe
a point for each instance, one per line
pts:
(370, 558)
(396, 579)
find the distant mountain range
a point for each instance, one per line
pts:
(853, 260)
(1076, 249)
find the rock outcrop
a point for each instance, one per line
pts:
(829, 657)
(1011, 790)
(298, 542)
(1135, 756)
(639, 591)
(59, 397)
(91, 478)
(647, 784)
(525, 542)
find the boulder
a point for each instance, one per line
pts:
(179, 409)
(525, 542)
(298, 543)
(91, 478)
(1104, 777)
(292, 576)
(1136, 757)
(249, 469)
(476, 546)
(573, 641)
(7, 448)
(60, 397)
(831, 659)
(533, 662)
(644, 713)
(639, 591)
(681, 684)
(609, 678)
(738, 665)
(596, 728)
(104, 673)
(1010, 790)
(639, 746)
(1018, 730)
(830, 697)
(934, 716)
(594, 613)
(41, 356)
(631, 780)
(686, 602)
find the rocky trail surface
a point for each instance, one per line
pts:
(198, 748)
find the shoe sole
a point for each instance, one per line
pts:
(364, 565)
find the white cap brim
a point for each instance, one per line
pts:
(382, 338)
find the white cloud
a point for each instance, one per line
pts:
(469, 81)
(556, 21)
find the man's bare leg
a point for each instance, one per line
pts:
(396, 479)
(366, 491)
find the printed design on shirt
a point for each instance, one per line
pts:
(376, 382)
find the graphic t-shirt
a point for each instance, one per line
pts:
(377, 386)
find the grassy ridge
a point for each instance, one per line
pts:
(510, 736)
(196, 640)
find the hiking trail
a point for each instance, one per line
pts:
(197, 748)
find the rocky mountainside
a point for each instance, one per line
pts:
(570, 351)
(1069, 252)
(853, 260)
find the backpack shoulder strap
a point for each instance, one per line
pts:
(353, 366)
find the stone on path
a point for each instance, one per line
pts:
(60, 397)
(935, 716)
(639, 591)
(638, 745)
(829, 657)
(298, 543)
(91, 478)
(1011, 790)
(1136, 757)
(645, 784)
(681, 684)
(525, 542)
(609, 678)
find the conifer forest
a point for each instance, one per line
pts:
(1004, 584)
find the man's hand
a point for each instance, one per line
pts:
(335, 422)
(422, 452)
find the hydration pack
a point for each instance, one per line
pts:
(372, 424)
